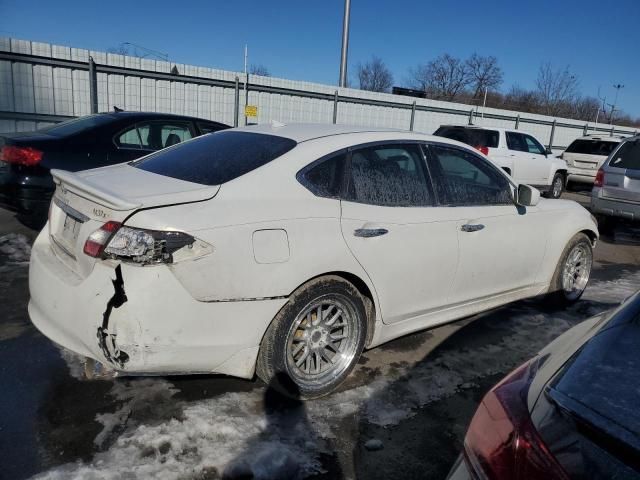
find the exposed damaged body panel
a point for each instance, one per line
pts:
(106, 339)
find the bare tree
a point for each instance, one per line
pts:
(374, 75)
(521, 99)
(483, 72)
(259, 69)
(557, 88)
(443, 78)
(585, 108)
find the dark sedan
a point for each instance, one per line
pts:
(571, 412)
(87, 142)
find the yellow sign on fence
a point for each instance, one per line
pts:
(250, 111)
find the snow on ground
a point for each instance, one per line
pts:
(15, 248)
(232, 435)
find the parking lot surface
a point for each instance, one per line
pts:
(401, 414)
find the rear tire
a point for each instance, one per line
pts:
(572, 273)
(315, 340)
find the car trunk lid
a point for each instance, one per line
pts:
(85, 201)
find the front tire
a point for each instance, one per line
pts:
(315, 340)
(572, 272)
(557, 186)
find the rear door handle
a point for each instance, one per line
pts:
(370, 232)
(472, 227)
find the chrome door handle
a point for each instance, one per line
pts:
(370, 232)
(472, 228)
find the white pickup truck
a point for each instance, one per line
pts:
(520, 154)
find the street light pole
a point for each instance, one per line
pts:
(345, 44)
(615, 101)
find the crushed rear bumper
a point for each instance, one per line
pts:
(141, 320)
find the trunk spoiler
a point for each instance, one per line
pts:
(85, 189)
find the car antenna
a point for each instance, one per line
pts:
(116, 109)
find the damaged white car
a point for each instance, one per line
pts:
(290, 249)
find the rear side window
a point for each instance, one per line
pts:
(154, 135)
(217, 158)
(627, 156)
(209, 127)
(325, 178)
(462, 178)
(474, 137)
(592, 147)
(389, 175)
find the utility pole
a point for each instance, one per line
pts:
(345, 44)
(615, 102)
(246, 83)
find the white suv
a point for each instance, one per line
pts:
(520, 154)
(586, 155)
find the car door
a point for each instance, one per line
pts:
(527, 166)
(501, 245)
(541, 164)
(390, 225)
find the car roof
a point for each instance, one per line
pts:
(603, 138)
(152, 115)
(302, 132)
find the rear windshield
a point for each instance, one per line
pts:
(592, 147)
(627, 156)
(216, 158)
(77, 125)
(474, 137)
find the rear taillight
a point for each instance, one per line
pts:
(599, 181)
(20, 155)
(482, 149)
(113, 240)
(502, 442)
(98, 240)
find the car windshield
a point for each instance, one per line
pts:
(474, 137)
(77, 125)
(627, 156)
(216, 158)
(592, 147)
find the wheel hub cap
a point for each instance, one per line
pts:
(576, 271)
(322, 341)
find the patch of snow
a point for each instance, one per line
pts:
(373, 444)
(233, 435)
(15, 248)
(75, 363)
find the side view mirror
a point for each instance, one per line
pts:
(527, 196)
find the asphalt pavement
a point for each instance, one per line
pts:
(401, 414)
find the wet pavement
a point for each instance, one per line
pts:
(401, 414)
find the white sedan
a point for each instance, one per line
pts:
(288, 249)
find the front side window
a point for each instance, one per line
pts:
(462, 178)
(388, 175)
(216, 158)
(517, 142)
(534, 146)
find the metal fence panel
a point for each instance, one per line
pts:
(42, 83)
